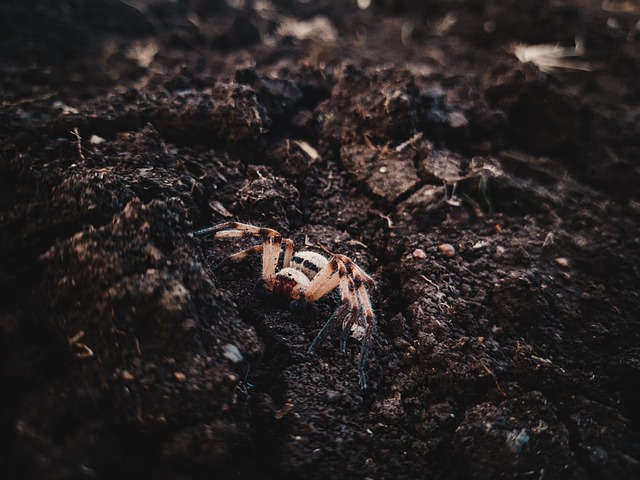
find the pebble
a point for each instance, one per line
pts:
(562, 262)
(419, 253)
(447, 249)
(181, 377)
(232, 353)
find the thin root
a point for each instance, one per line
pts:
(78, 143)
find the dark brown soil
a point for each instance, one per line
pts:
(497, 206)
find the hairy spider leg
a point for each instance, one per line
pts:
(270, 255)
(363, 315)
(241, 255)
(355, 306)
(236, 230)
(324, 281)
(365, 343)
(271, 244)
(355, 270)
(352, 316)
(359, 281)
(348, 307)
(324, 332)
(288, 253)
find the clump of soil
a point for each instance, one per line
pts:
(494, 203)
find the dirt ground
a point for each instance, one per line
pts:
(495, 203)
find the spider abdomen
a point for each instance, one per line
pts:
(309, 263)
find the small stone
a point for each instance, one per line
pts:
(152, 253)
(447, 249)
(127, 376)
(419, 253)
(517, 440)
(400, 343)
(562, 262)
(188, 325)
(549, 239)
(332, 395)
(232, 353)
(179, 376)
(457, 120)
(598, 455)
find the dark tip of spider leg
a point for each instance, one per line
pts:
(344, 336)
(206, 231)
(362, 379)
(362, 363)
(350, 318)
(324, 332)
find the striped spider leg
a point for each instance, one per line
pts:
(355, 312)
(306, 277)
(271, 248)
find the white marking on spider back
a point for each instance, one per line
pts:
(309, 263)
(291, 273)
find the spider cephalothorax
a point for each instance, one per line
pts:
(307, 276)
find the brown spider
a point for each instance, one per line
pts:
(307, 276)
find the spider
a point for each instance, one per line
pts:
(307, 276)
